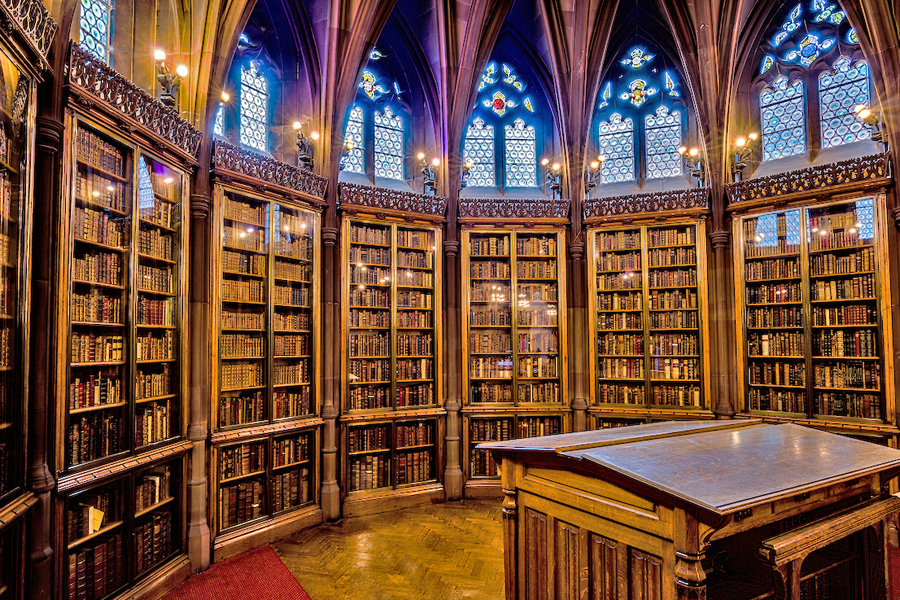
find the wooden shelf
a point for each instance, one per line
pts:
(846, 358)
(236, 249)
(157, 225)
(293, 464)
(784, 255)
(262, 226)
(99, 206)
(96, 534)
(153, 507)
(111, 363)
(226, 480)
(86, 409)
(155, 398)
(847, 389)
(110, 286)
(100, 245)
(839, 249)
(842, 300)
(168, 261)
(238, 273)
(778, 385)
(102, 171)
(755, 281)
(832, 275)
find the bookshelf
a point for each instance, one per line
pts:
(117, 532)
(391, 333)
(265, 413)
(513, 339)
(125, 314)
(648, 306)
(813, 313)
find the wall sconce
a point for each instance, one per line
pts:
(553, 177)
(305, 146)
(467, 166)
(694, 161)
(167, 80)
(592, 174)
(428, 184)
(873, 120)
(742, 154)
(345, 154)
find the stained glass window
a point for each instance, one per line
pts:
(254, 108)
(521, 155)
(840, 91)
(662, 138)
(617, 147)
(219, 126)
(388, 144)
(479, 150)
(782, 113)
(356, 162)
(96, 27)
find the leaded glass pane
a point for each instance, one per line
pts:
(96, 24)
(617, 148)
(254, 108)
(219, 127)
(782, 112)
(388, 144)
(840, 91)
(354, 133)
(662, 138)
(479, 151)
(521, 155)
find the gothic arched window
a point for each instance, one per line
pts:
(662, 138)
(617, 148)
(479, 153)
(356, 162)
(254, 108)
(521, 155)
(389, 155)
(840, 90)
(782, 116)
(96, 27)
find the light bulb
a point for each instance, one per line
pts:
(420, 156)
(296, 125)
(225, 96)
(349, 144)
(556, 166)
(435, 162)
(682, 150)
(159, 55)
(753, 135)
(740, 142)
(181, 70)
(545, 162)
(865, 114)
(315, 136)
(693, 152)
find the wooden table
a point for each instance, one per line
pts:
(733, 510)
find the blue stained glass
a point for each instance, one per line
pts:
(388, 144)
(782, 109)
(96, 27)
(219, 126)
(768, 63)
(355, 162)
(662, 135)
(521, 155)
(617, 148)
(254, 108)
(607, 93)
(479, 152)
(852, 37)
(840, 91)
(779, 38)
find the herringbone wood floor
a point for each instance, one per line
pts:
(449, 551)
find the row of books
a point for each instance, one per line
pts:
(676, 395)
(368, 234)
(489, 270)
(849, 374)
(489, 292)
(153, 487)
(86, 390)
(536, 246)
(290, 489)
(674, 320)
(538, 366)
(619, 240)
(843, 404)
(296, 373)
(91, 511)
(292, 404)
(91, 347)
(97, 267)
(415, 318)
(419, 300)
(674, 368)
(781, 316)
(772, 268)
(614, 321)
(95, 188)
(370, 344)
(482, 343)
(157, 212)
(672, 278)
(415, 279)
(248, 407)
(845, 343)
(153, 383)
(833, 264)
(672, 257)
(489, 246)
(153, 540)
(360, 255)
(151, 422)
(481, 315)
(537, 292)
(244, 211)
(155, 279)
(156, 312)
(370, 298)
(97, 226)
(239, 503)
(778, 373)
(629, 301)
(370, 318)
(288, 450)
(775, 344)
(415, 344)
(531, 269)
(620, 368)
(847, 220)
(421, 260)
(292, 345)
(290, 247)
(240, 262)
(94, 151)
(537, 316)
(777, 400)
(417, 434)
(668, 300)
(844, 289)
(153, 242)
(239, 345)
(774, 293)
(286, 221)
(619, 261)
(97, 570)
(243, 291)
(673, 344)
(242, 459)
(96, 307)
(411, 238)
(848, 314)
(547, 391)
(484, 391)
(837, 239)
(537, 426)
(292, 321)
(614, 393)
(756, 250)
(482, 464)
(671, 237)
(293, 271)
(490, 367)
(367, 398)
(610, 343)
(94, 436)
(244, 238)
(619, 281)
(231, 319)
(242, 375)
(414, 467)
(415, 368)
(420, 394)
(363, 439)
(369, 472)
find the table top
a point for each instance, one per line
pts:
(721, 467)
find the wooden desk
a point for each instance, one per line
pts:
(729, 510)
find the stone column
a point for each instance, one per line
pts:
(453, 474)
(722, 346)
(331, 493)
(579, 340)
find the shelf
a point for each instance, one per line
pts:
(867, 325)
(153, 507)
(417, 447)
(288, 279)
(242, 357)
(289, 257)
(101, 171)
(250, 250)
(143, 326)
(846, 358)
(674, 380)
(620, 310)
(490, 326)
(755, 281)
(155, 398)
(368, 357)
(280, 305)
(110, 286)
(690, 245)
(110, 363)
(548, 353)
(370, 244)
(226, 480)
(240, 329)
(388, 382)
(545, 378)
(617, 250)
(415, 356)
(619, 355)
(671, 309)
(168, 261)
(842, 300)
(753, 357)
(680, 266)
(832, 275)
(416, 248)
(617, 330)
(165, 198)
(155, 292)
(792, 327)
(536, 278)
(289, 356)
(291, 384)
(99, 206)
(238, 273)
(532, 256)
(845, 389)
(363, 328)
(674, 287)
(784, 255)
(415, 287)
(369, 307)
(674, 329)
(359, 284)
(487, 256)
(839, 249)
(85, 409)
(293, 464)
(415, 380)
(774, 304)
(245, 222)
(365, 452)
(777, 385)
(424, 328)
(498, 378)
(157, 225)
(100, 245)
(623, 379)
(250, 302)
(98, 533)
(291, 331)
(652, 356)
(507, 353)
(243, 389)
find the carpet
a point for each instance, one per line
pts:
(255, 575)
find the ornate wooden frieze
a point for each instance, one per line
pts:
(520, 209)
(126, 465)
(364, 196)
(228, 157)
(820, 177)
(34, 22)
(95, 78)
(264, 430)
(653, 202)
(16, 509)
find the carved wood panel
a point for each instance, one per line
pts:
(609, 569)
(571, 562)
(646, 576)
(537, 553)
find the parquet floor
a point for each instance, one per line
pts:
(449, 551)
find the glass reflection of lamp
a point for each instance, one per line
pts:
(694, 161)
(873, 120)
(167, 80)
(466, 168)
(305, 146)
(743, 153)
(553, 177)
(592, 174)
(345, 155)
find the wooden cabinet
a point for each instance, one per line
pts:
(719, 510)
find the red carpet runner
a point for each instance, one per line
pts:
(255, 575)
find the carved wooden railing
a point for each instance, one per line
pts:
(653, 202)
(370, 198)
(91, 80)
(228, 158)
(871, 169)
(513, 209)
(33, 22)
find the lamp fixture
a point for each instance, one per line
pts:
(554, 177)
(694, 160)
(345, 154)
(466, 168)
(743, 153)
(305, 146)
(873, 120)
(168, 81)
(592, 174)
(428, 173)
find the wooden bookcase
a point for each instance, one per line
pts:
(648, 308)
(514, 339)
(391, 307)
(814, 319)
(266, 408)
